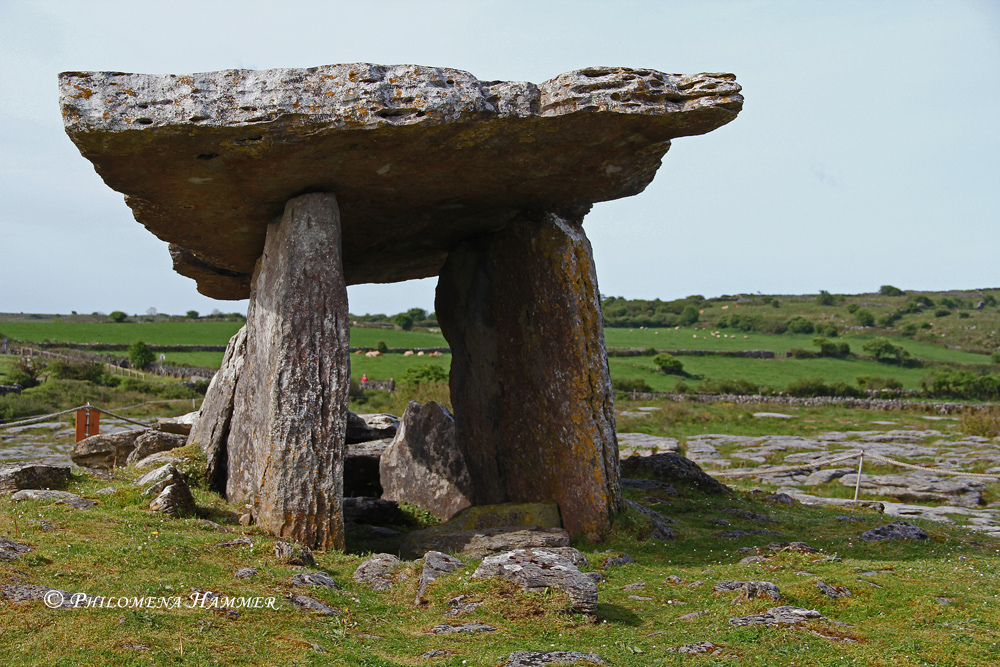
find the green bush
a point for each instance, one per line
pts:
(825, 298)
(830, 349)
(88, 371)
(852, 308)
(864, 318)
(909, 330)
(799, 353)
(885, 352)
(117, 316)
(740, 387)
(807, 387)
(996, 356)
(946, 382)
(403, 321)
(889, 290)
(942, 312)
(668, 363)
(800, 325)
(25, 372)
(192, 314)
(689, 316)
(963, 315)
(877, 383)
(828, 330)
(628, 385)
(139, 355)
(424, 374)
(382, 347)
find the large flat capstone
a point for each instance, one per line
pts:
(418, 157)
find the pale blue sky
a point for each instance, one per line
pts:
(867, 153)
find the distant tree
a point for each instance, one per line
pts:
(885, 352)
(25, 372)
(139, 355)
(668, 363)
(689, 316)
(403, 321)
(117, 316)
(801, 325)
(829, 348)
(889, 290)
(418, 314)
(824, 298)
(216, 312)
(192, 314)
(382, 347)
(989, 300)
(151, 311)
(864, 318)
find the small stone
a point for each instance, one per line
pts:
(376, 572)
(42, 525)
(313, 605)
(153, 441)
(448, 628)
(777, 616)
(62, 497)
(639, 598)
(794, 547)
(245, 573)
(238, 542)
(435, 653)
(294, 554)
(315, 579)
(174, 500)
(459, 606)
(693, 615)
(10, 550)
(673, 579)
(617, 561)
(533, 659)
(156, 480)
(536, 569)
(436, 564)
(833, 592)
(106, 450)
(696, 648)
(637, 585)
(749, 590)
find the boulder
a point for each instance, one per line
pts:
(178, 425)
(424, 466)
(368, 427)
(897, 530)
(63, 497)
(377, 571)
(435, 565)
(529, 381)
(537, 569)
(153, 441)
(17, 476)
(290, 404)
(175, 500)
(105, 450)
(673, 468)
(156, 480)
(211, 429)
(420, 156)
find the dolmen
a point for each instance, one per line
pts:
(288, 185)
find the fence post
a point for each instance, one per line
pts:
(88, 423)
(857, 485)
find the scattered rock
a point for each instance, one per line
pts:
(29, 592)
(749, 590)
(435, 565)
(315, 579)
(448, 628)
(794, 547)
(824, 476)
(238, 542)
(105, 450)
(294, 554)
(424, 466)
(747, 515)
(178, 425)
(366, 428)
(158, 459)
(922, 487)
(10, 550)
(673, 468)
(153, 441)
(459, 606)
(435, 653)
(660, 529)
(534, 659)
(784, 615)
(634, 587)
(42, 525)
(735, 534)
(61, 497)
(160, 478)
(175, 500)
(313, 605)
(536, 569)
(245, 573)
(376, 572)
(617, 561)
(693, 615)
(897, 530)
(478, 543)
(639, 598)
(17, 476)
(647, 442)
(698, 647)
(833, 592)
(780, 498)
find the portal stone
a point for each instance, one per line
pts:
(286, 441)
(529, 375)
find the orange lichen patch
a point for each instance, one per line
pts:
(85, 93)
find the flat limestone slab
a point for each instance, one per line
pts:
(418, 157)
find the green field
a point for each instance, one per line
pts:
(152, 333)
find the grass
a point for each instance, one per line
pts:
(119, 548)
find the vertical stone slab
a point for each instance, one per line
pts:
(211, 429)
(530, 384)
(286, 441)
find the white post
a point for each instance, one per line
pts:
(857, 484)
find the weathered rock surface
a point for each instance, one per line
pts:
(10, 550)
(64, 497)
(749, 590)
(105, 450)
(175, 500)
(833, 591)
(529, 373)
(315, 579)
(480, 542)
(181, 425)
(897, 530)
(207, 160)
(921, 487)
(673, 468)
(435, 565)
(312, 605)
(376, 572)
(536, 659)
(784, 615)
(294, 554)
(449, 629)
(17, 476)
(211, 429)
(156, 480)
(424, 465)
(290, 403)
(368, 427)
(537, 569)
(153, 441)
